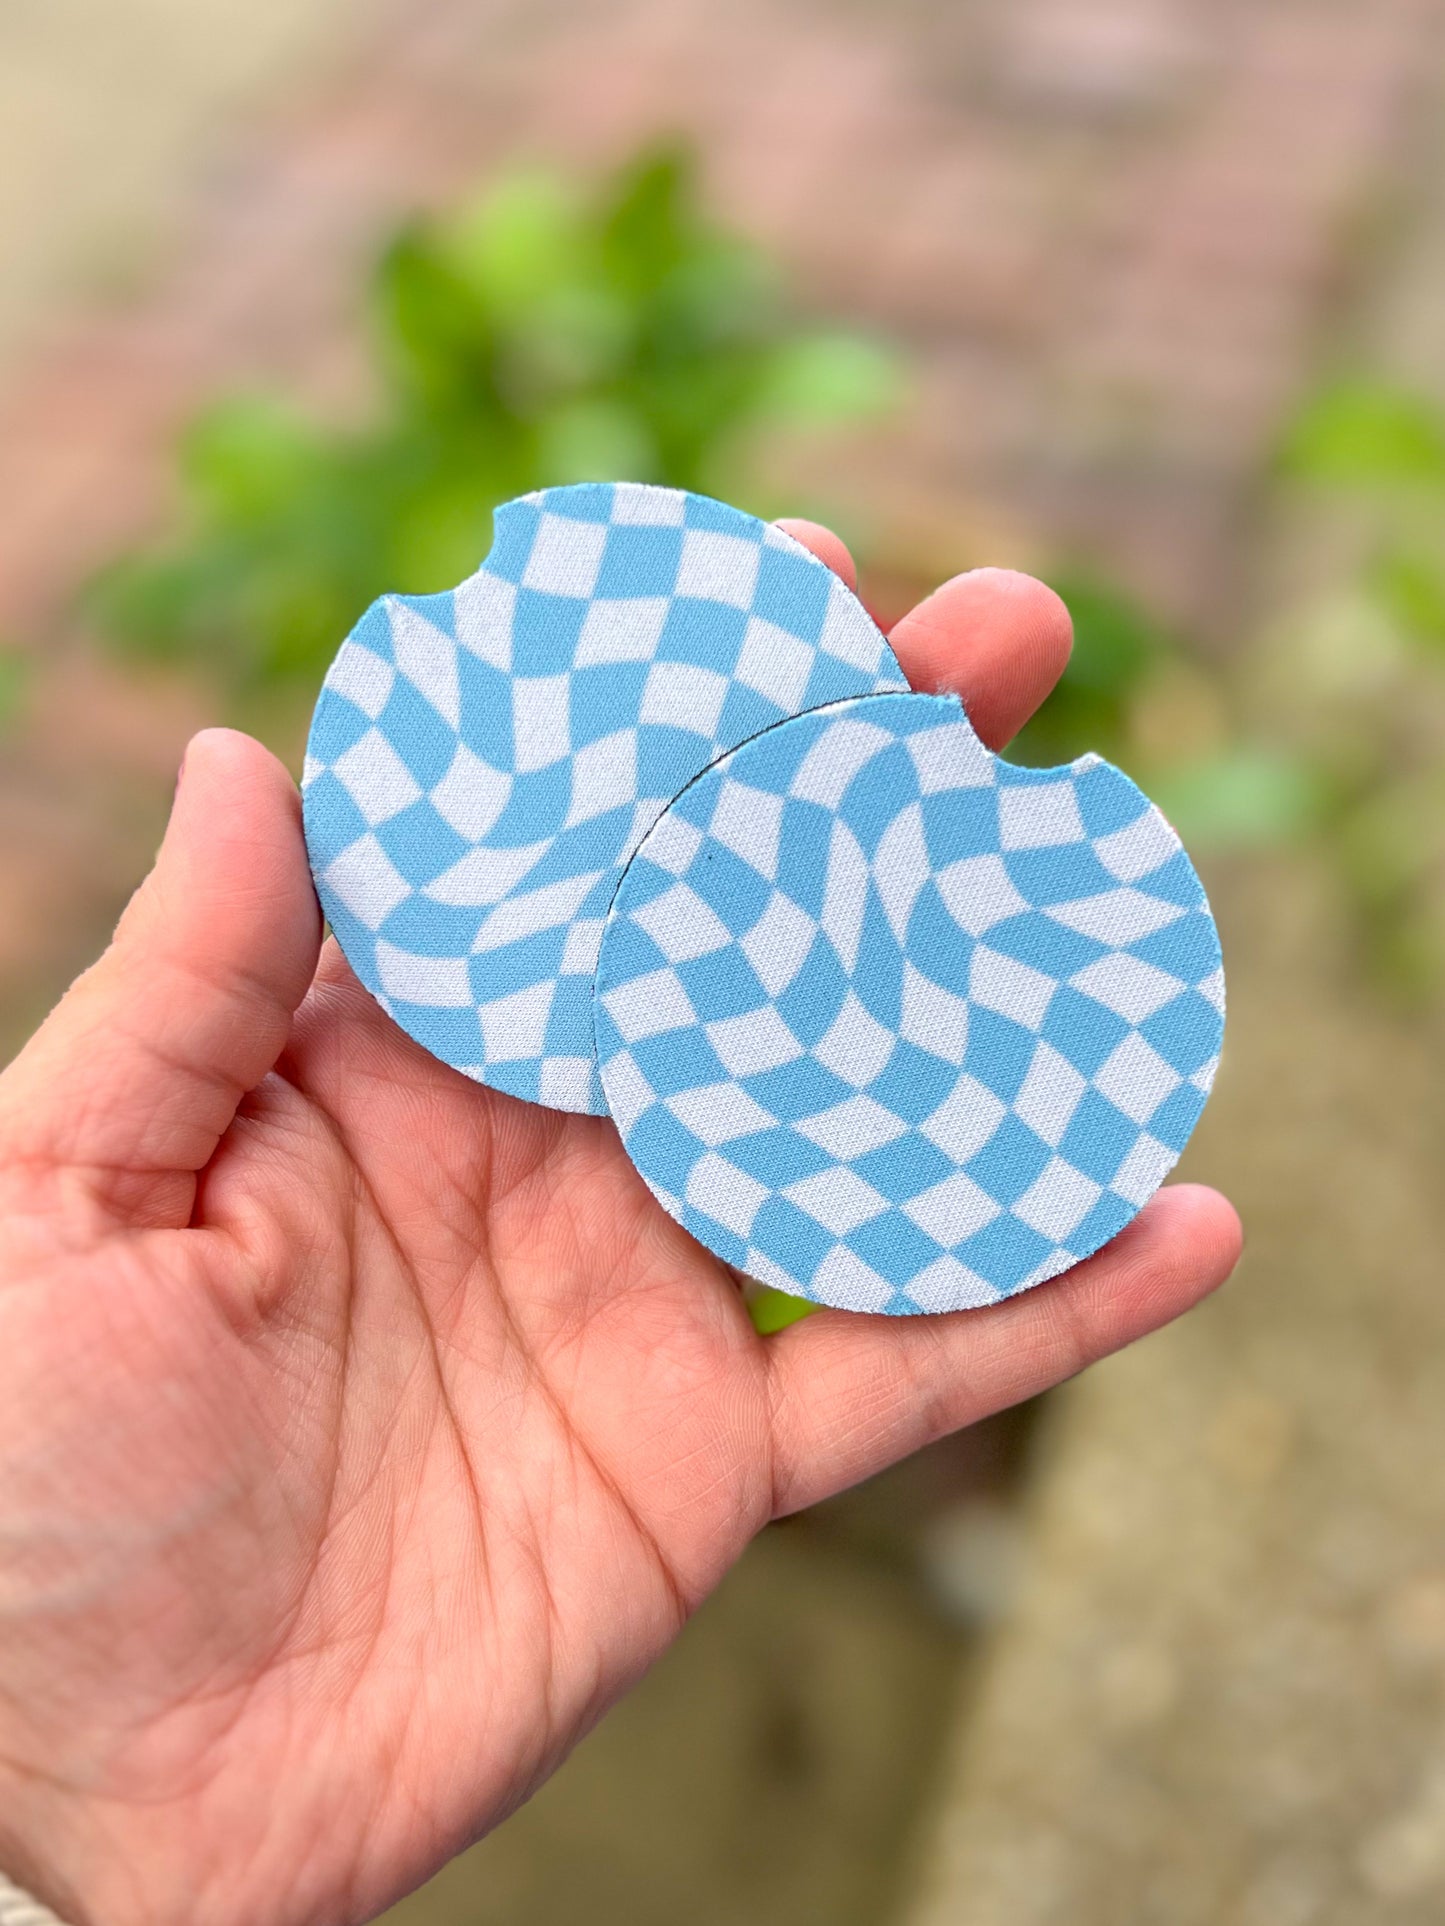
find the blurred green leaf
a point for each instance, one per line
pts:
(517, 244)
(597, 441)
(1247, 797)
(649, 221)
(773, 1310)
(248, 457)
(1411, 588)
(1360, 434)
(531, 337)
(833, 377)
(1115, 640)
(15, 672)
(1116, 646)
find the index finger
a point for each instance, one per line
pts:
(998, 639)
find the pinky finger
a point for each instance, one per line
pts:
(852, 1394)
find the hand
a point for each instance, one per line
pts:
(364, 1434)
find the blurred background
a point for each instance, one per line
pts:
(1146, 295)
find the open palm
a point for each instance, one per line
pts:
(364, 1434)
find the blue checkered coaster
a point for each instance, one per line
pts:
(892, 1024)
(483, 763)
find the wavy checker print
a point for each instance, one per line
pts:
(892, 1024)
(483, 763)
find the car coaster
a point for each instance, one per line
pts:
(643, 820)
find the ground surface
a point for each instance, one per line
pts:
(1221, 1698)
(772, 1769)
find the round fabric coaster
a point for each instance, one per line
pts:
(892, 1024)
(482, 763)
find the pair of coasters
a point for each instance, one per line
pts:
(643, 820)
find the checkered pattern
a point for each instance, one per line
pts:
(891, 1024)
(483, 763)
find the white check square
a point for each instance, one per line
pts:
(1039, 816)
(565, 557)
(718, 568)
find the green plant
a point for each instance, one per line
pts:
(1383, 448)
(535, 336)
(1117, 648)
(1366, 666)
(14, 682)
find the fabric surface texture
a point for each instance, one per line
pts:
(483, 762)
(891, 1024)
